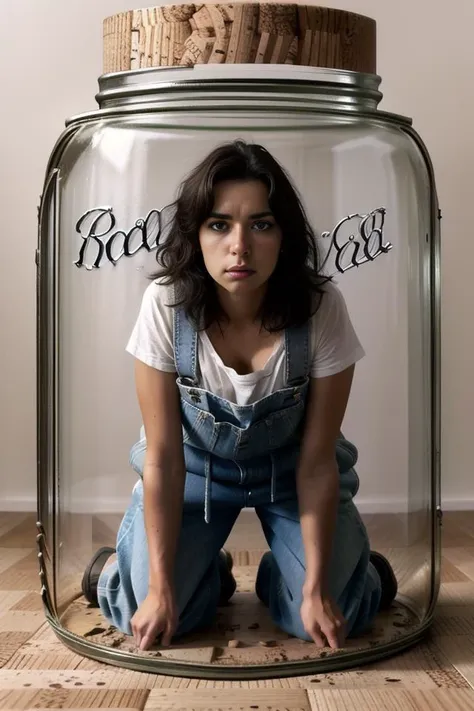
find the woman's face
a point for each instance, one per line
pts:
(240, 240)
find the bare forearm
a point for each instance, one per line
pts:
(163, 486)
(318, 496)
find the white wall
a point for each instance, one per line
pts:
(50, 54)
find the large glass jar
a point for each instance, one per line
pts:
(368, 187)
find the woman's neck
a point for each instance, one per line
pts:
(242, 310)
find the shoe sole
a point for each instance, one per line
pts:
(228, 559)
(86, 578)
(389, 577)
(229, 591)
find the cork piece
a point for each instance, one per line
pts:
(234, 643)
(239, 33)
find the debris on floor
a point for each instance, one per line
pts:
(236, 638)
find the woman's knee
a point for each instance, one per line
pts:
(115, 603)
(286, 615)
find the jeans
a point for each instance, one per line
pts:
(353, 581)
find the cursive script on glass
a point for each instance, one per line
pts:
(355, 240)
(102, 242)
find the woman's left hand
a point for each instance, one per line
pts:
(323, 620)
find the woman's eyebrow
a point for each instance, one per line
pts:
(220, 216)
(256, 216)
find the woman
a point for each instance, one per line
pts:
(244, 359)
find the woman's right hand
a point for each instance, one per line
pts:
(157, 615)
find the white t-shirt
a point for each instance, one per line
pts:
(334, 346)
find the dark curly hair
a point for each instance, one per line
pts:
(294, 289)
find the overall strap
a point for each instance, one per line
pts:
(185, 345)
(297, 354)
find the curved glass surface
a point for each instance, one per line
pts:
(367, 192)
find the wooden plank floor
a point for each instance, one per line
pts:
(38, 672)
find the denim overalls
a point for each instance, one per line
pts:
(236, 457)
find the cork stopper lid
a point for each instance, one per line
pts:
(239, 33)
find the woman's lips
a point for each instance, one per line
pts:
(240, 273)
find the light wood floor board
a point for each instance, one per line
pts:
(456, 594)
(22, 575)
(374, 700)
(38, 672)
(452, 573)
(215, 700)
(460, 652)
(17, 530)
(462, 559)
(31, 602)
(461, 521)
(9, 520)
(10, 557)
(10, 642)
(56, 697)
(10, 598)
(106, 677)
(21, 621)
